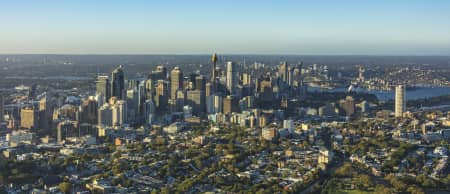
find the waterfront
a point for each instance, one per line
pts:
(416, 93)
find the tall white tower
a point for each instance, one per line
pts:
(231, 77)
(400, 100)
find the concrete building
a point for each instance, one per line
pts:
(269, 133)
(119, 113)
(103, 87)
(16, 138)
(105, 115)
(200, 83)
(176, 82)
(230, 104)
(348, 105)
(89, 110)
(400, 100)
(231, 77)
(196, 99)
(29, 118)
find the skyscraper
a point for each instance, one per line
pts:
(45, 111)
(161, 95)
(230, 104)
(29, 118)
(132, 101)
(159, 73)
(176, 82)
(119, 113)
(89, 110)
(118, 83)
(149, 110)
(200, 82)
(213, 72)
(105, 115)
(196, 99)
(103, 87)
(149, 89)
(283, 71)
(231, 77)
(400, 100)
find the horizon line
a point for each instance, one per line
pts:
(229, 54)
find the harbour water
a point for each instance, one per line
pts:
(416, 93)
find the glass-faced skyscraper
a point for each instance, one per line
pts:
(213, 73)
(103, 87)
(117, 83)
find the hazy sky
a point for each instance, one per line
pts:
(379, 27)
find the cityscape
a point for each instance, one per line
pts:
(220, 121)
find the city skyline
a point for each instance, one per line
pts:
(225, 96)
(232, 27)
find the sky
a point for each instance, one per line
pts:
(299, 27)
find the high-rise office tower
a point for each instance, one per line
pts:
(159, 73)
(218, 104)
(119, 113)
(103, 87)
(105, 115)
(290, 76)
(89, 110)
(45, 112)
(181, 100)
(213, 72)
(28, 118)
(200, 82)
(162, 70)
(196, 99)
(176, 82)
(66, 129)
(231, 77)
(246, 79)
(161, 95)
(208, 89)
(132, 84)
(132, 104)
(400, 100)
(118, 83)
(209, 102)
(230, 104)
(283, 71)
(149, 110)
(141, 94)
(149, 89)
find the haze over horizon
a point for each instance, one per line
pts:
(230, 27)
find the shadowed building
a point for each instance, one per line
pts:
(118, 83)
(103, 87)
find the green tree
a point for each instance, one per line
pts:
(65, 187)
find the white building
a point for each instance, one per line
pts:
(231, 77)
(400, 100)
